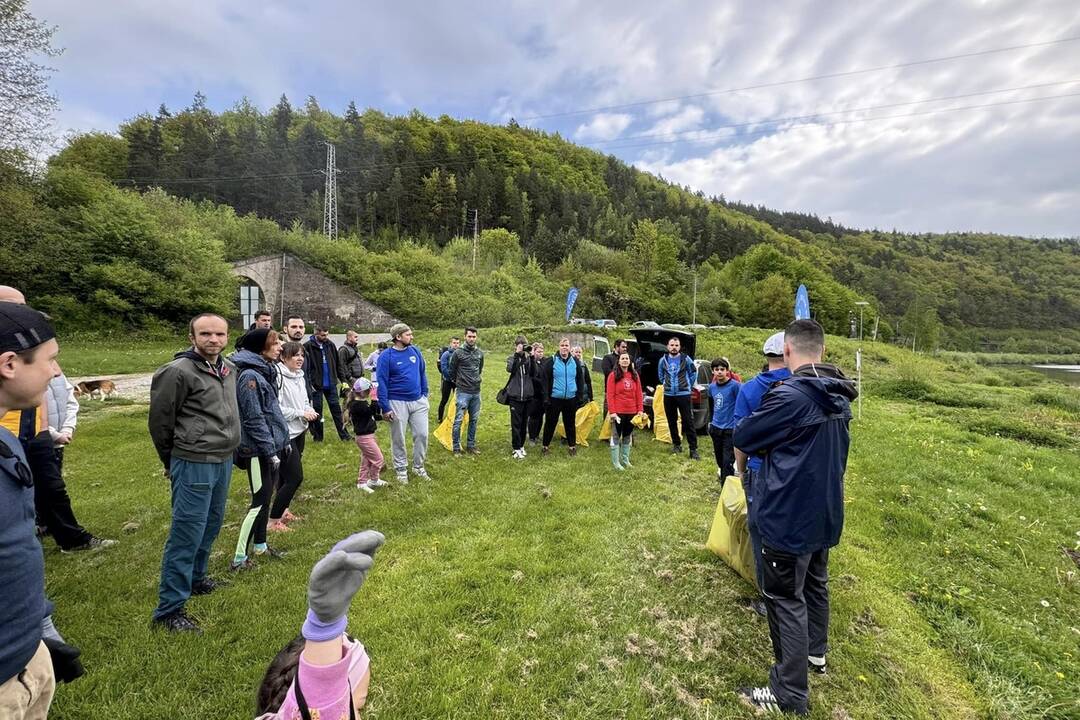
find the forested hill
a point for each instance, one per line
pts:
(625, 237)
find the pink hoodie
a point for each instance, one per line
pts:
(327, 688)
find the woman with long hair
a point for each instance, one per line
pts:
(624, 404)
(296, 408)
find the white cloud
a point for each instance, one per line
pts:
(603, 126)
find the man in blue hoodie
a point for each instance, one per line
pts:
(28, 352)
(403, 397)
(677, 373)
(801, 431)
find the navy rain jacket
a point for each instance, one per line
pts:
(801, 428)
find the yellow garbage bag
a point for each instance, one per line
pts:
(659, 424)
(445, 432)
(583, 421)
(729, 536)
(640, 420)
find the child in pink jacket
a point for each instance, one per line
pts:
(324, 673)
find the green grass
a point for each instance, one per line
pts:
(555, 587)
(87, 356)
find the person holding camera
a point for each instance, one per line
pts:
(520, 390)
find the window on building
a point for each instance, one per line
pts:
(250, 302)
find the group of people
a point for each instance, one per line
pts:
(784, 433)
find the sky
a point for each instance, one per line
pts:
(723, 97)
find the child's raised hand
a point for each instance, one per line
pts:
(335, 580)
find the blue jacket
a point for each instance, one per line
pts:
(563, 380)
(263, 428)
(802, 430)
(679, 377)
(22, 566)
(724, 397)
(749, 399)
(402, 375)
(444, 364)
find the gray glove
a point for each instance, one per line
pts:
(335, 580)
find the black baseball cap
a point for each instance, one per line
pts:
(22, 328)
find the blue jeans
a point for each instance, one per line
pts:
(470, 402)
(755, 536)
(199, 492)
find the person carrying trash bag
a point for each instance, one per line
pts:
(625, 403)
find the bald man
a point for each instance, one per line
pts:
(10, 294)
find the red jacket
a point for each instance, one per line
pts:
(624, 395)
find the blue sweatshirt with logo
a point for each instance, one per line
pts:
(749, 400)
(402, 375)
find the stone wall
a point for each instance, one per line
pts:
(292, 287)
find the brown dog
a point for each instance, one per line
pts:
(98, 389)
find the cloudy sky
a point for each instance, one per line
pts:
(725, 97)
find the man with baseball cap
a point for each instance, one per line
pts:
(401, 376)
(28, 352)
(750, 395)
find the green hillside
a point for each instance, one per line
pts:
(632, 242)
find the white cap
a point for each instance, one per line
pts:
(361, 385)
(774, 345)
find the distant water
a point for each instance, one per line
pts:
(1068, 374)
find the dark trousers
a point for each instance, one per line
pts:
(519, 423)
(796, 591)
(567, 409)
(676, 406)
(536, 418)
(290, 475)
(261, 480)
(316, 428)
(445, 388)
(624, 429)
(51, 500)
(724, 449)
(751, 526)
(199, 492)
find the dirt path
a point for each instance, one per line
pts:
(135, 386)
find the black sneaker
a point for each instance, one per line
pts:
(676, 449)
(206, 586)
(758, 606)
(94, 543)
(817, 665)
(178, 622)
(694, 455)
(759, 699)
(270, 552)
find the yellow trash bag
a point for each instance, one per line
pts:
(659, 423)
(639, 421)
(730, 536)
(583, 421)
(445, 432)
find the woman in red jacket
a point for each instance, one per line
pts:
(624, 403)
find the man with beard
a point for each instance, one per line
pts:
(321, 368)
(403, 398)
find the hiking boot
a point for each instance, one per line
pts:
(758, 606)
(694, 455)
(421, 473)
(270, 552)
(94, 543)
(760, 700)
(817, 664)
(365, 487)
(241, 566)
(206, 586)
(177, 622)
(676, 449)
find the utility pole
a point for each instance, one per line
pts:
(693, 317)
(475, 236)
(858, 356)
(329, 222)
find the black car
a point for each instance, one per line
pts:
(649, 345)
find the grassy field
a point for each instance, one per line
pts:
(555, 587)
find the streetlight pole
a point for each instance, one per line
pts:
(858, 354)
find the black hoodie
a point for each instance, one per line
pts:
(801, 429)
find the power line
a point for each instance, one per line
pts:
(780, 83)
(793, 118)
(857, 120)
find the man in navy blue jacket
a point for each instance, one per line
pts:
(801, 430)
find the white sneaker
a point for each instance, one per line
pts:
(421, 473)
(403, 477)
(518, 455)
(365, 487)
(377, 482)
(523, 453)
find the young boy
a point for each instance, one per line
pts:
(724, 389)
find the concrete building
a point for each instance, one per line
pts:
(286, 285)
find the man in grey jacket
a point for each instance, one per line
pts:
(466, 369)
(195, 426)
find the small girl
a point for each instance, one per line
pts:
(362, 414)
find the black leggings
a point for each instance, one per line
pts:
(290, 476)
(445, 388)
(535, 411)
(261, 480)
(568, 410)
(624, 428)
